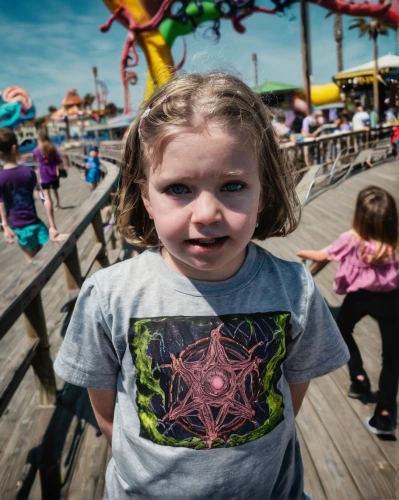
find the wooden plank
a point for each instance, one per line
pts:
(313, 485)
(388, 449)
(88, 478)
(72, 271)
(334, 475)
(96, 249)
(13, 372)
(24, 403)
(18, 464)
(354, 443)
(36, 328)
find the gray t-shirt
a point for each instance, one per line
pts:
(201, 369)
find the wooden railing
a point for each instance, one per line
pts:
(325, 149)
(24, 296)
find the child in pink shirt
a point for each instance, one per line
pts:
(368, 275)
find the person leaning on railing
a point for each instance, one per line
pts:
(283, 132)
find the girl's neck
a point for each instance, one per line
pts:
(9, 164)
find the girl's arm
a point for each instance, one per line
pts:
(9, 234)
(316, 255)
(298, 392)
(103, 403)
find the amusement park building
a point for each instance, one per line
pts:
(357, 83)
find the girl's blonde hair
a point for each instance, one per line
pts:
(196, 101)
(47, 148)
(376, 219)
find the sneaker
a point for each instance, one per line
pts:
(359, 388)
(382, 426)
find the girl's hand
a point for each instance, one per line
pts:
(316, 255)
(9, 235)
(301, 256)
(53, 233)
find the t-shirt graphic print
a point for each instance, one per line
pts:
(209, 382)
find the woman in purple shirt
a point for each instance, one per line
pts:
(368, 275)
(48, 159)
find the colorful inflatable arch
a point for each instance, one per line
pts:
(154, 25)
(15, 107)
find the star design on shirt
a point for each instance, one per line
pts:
(214, 386)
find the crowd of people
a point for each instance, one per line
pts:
(298, 128)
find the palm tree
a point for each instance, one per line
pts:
(373, 29)
(110, 109)
(338, 35)
(88, 100)
(52, 109)
(306, 57)
(39, 121)
(338, 38)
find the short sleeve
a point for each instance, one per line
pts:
(341, 246)
(87, 357)
(1, 193)
(319, 349)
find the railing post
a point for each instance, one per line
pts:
(97, 224)
(73, 273)
(42, 363)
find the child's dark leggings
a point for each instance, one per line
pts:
(384, 308)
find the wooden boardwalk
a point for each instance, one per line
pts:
(342, 459)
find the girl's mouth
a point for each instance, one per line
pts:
(207, 244)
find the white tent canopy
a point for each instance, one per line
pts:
(388, 61)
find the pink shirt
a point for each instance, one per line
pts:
(355, 272)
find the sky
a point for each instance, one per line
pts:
(50, 46)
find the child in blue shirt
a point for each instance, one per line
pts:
(93, 169)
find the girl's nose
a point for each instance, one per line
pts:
(206, 209)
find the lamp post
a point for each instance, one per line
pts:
(255, 61)
(95, 73)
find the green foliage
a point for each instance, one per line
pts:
(110, 109)
(88, 100)
(373, 28)
(40, 121)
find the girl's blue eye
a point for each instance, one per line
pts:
(233, 187)
(177, 189)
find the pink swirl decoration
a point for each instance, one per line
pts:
(17, 94)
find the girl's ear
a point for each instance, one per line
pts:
(146, 199)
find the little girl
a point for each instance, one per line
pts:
(368, 274)
(48, 159)
(197, 353)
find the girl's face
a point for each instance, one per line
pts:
(204, 196)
